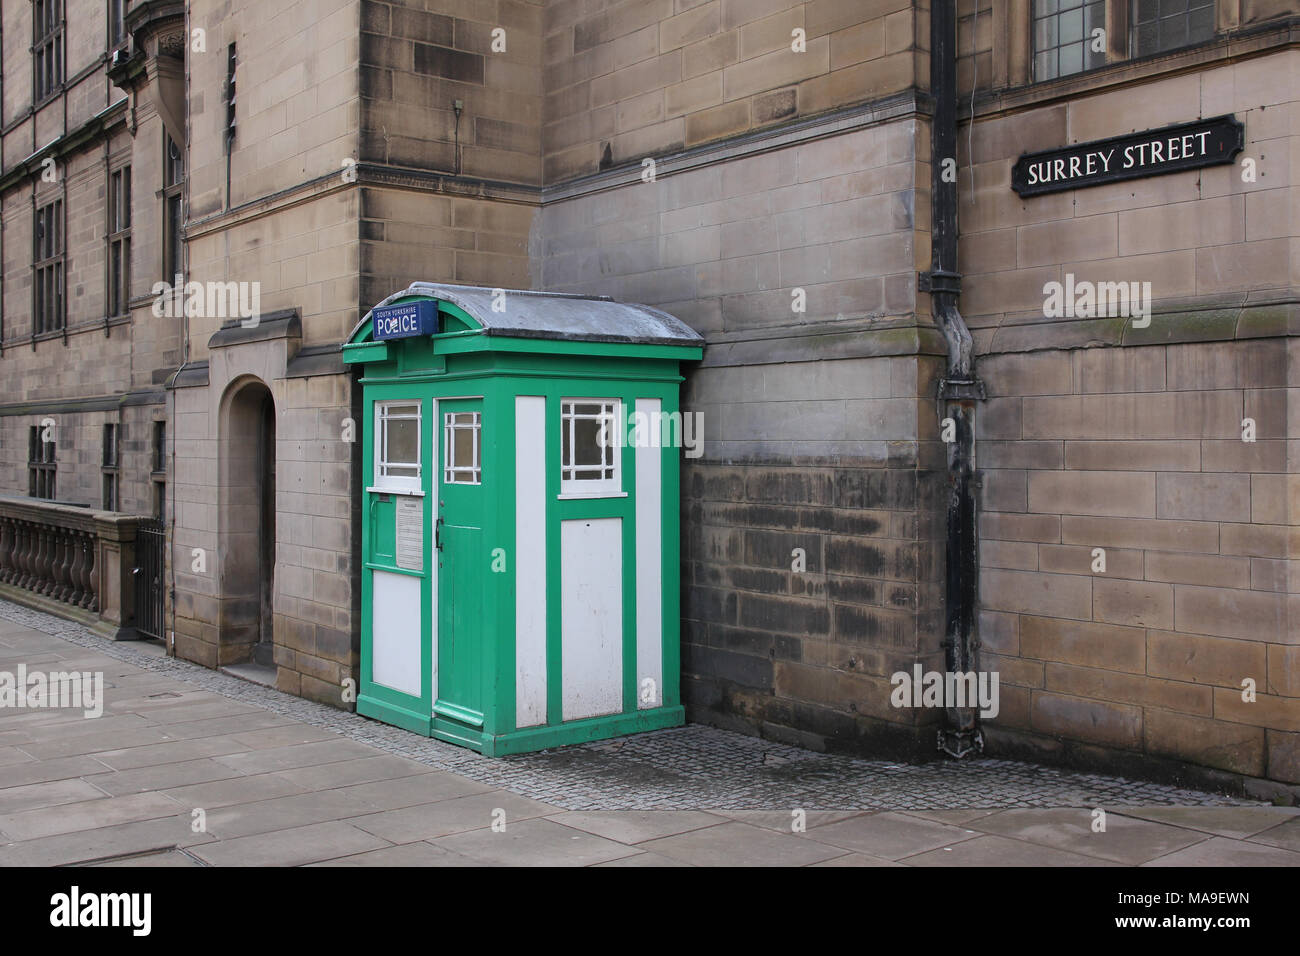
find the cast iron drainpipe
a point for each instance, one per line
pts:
(959, 389)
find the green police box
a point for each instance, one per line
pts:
(520, 532)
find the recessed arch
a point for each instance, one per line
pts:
(245, 564)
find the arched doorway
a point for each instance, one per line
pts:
(247, 522)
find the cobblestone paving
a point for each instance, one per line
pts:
(686, 768)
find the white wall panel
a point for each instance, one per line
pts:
(649, 565)
(591, 608)
(530, 560)
(395, 630)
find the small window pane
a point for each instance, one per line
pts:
(403, 440)
(1071, 59)
(1071, 26)
(461, 450)
(1200, 24)
(589, 456)
(587, 450)
(1161, 25)
(1063, 37)
(398, 454)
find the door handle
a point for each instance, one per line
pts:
(437, 534)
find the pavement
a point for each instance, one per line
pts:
(192, 767)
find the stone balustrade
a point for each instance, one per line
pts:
(70, 561)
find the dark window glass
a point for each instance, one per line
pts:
(47, 47)
(47, 305)
(41, 465)
(1161, 25)
(119, 241)
(1063, 37)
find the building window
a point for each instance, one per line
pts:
(109, 467)
(48, 266)
(1160, 25)
(397, 450)
(159, 470)
(40, 462)
(173, 210)
(119, 241)
(47, 47)
(462, 454)
(588, 453)
(1063, 40)
(116, 23)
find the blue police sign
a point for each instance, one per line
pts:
(405, 321)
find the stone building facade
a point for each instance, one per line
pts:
(762, 170)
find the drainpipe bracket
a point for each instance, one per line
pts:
(959, 389)
(939, 281)
(960, 743)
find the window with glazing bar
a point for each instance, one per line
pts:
(47, 305)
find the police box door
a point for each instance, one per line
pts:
(461, 562)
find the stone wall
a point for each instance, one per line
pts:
(819, 428)
(1098, 434)
(417, 59)
(298, 102)
(645, 77)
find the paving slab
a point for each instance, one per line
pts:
(292, 847)
(163, 776)
(164, 833)
(953, 817)
(412, 790)
(50, 794)
(66, 729)
(1000, 851)
(858, 859)
(60, 768)
(1125, 839)
(287, 735)
(296, 755)
(1237, 822)
(637, 826)
(12, 755)
(1221, 851)
(431, 820)
(408, 854)
(643, 859)
(352, 772)
(96, 743)
(784, 821)
(1284, 835)
(233, 790)
(741, 844)
(534, 843)
(890, 835)
(86, 815)
(281, 813)
(163, 858)
(188, 728)
(169, 751)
